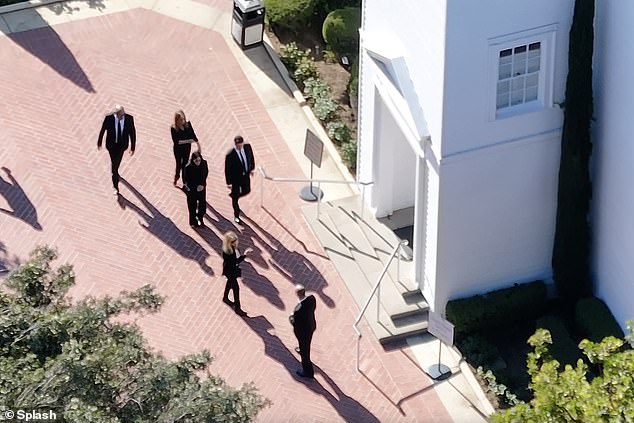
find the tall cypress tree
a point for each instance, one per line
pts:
(571, 252)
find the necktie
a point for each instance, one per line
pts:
(120, 129)
(243, 159)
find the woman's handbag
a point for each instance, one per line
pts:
(238, 272)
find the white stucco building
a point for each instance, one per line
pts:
(460, 119)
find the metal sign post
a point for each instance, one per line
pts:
(314, 150)
(443, 330)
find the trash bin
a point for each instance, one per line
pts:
(247, 26)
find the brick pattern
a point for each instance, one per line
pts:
(60, 84)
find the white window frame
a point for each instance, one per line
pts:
(546, 37)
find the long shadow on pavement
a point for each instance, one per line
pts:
(165, 230)
(45, 44)
(347, 407)
(21, 207)
(255, 281)
(295, 267)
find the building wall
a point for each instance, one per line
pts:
(497, 217)
(613, 198)
(469, 103)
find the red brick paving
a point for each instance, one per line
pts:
(57, 85)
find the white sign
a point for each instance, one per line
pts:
(440, 328)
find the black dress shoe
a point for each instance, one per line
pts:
(241, 313)
(237, 220)
(304, 375)
(297, 350)
(227, 301)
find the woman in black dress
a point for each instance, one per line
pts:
(231, 260)
(183, 136)
(195, 186)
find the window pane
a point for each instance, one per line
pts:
(519, 64)
(517, 97)
(517, 83)
(506, 53)
(504, 72)
(502, 101)
(520, 49)
(533, 64)
(531, 94)
(534, 46)
(504, 87)
(532, 80)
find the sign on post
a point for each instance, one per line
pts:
(443, 330)
(440, 328)
(314, 150)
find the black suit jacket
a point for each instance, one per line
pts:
(234, 171)
(304, 316)
(128, 137)
(230, 263)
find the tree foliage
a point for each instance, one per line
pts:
(571, 251)
(576, 394)
(84, 363)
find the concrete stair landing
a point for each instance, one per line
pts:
(359, 248)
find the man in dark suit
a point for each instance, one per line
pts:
(239, 167)
(304, 324)
(120, 132)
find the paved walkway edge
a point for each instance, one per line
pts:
(299, 97)
(27, 5)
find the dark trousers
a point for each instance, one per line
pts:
(197, 205)
(304, 341)
(232, 285)
(237, 191)
(181, 155)
(116, 155)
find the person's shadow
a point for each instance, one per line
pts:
(165, 230)
(347, 407)
(295, 267)
(259, 284)
(21, 207)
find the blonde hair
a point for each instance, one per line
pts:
(181, 114)
(227, 242)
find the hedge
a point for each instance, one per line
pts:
(497, 309)
(563, 349)
(291, 14)
(341, 30)
(595, 321)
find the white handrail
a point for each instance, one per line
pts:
(375, 290)
(318, 181)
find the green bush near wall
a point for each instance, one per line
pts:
(8, 2)
(341, 30)
(497, 309)
(595, 321)
(290, 14)
(563, 349)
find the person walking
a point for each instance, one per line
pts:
(304, 324)
(239, 167)
(120, 133)
(195, 186)
(183, 136)
(231, 260)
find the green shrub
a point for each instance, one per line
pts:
(349, 154)
(330, 56)
(290, 14)
(595, 321)
(478, 351)
(325, 108)
(497, 309)
(341, 30)
(298, 62)
(315, 88)
(563, 349)
(338, 132)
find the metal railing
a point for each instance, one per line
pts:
(316, 181)
(377, 290)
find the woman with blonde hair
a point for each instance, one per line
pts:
(231, 260)
(183, 136)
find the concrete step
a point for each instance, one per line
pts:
(371, 266)
(356, 261)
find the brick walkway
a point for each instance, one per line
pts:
(57, 83)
